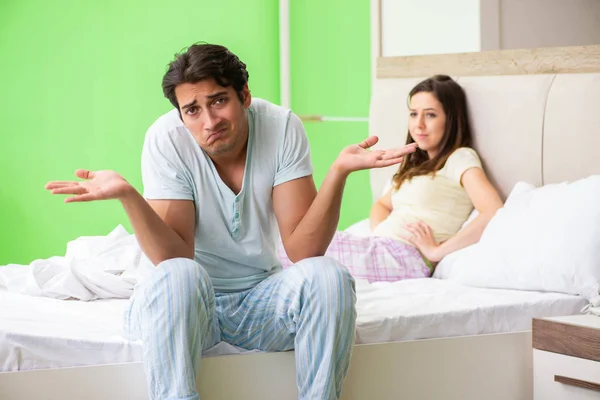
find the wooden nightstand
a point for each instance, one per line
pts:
(566, 358)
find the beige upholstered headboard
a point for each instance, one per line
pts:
(535, 113)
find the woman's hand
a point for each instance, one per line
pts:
(422, 238)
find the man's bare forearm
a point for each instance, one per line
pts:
(313, 234)
(158, 240)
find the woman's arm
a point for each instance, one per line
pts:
(381, 209)
(485, 199)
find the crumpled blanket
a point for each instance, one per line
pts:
(593, 307)
(94, 267)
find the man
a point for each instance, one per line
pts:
(224, 175)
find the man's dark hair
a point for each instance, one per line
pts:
(204, 61)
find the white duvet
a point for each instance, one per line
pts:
(94, 267)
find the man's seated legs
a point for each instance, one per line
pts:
(173, 313)
(309, 307)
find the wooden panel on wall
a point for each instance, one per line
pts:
(549, 60)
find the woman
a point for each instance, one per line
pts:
(418, 221)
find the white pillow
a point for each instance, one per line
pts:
(520, 187)
(360, 228)
(543, 239)
(444, 269)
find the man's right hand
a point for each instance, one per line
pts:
(97, 185)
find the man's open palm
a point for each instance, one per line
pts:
(358, 156)
(97, 185)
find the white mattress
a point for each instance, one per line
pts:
(37, 333)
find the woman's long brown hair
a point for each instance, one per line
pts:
(457, 132)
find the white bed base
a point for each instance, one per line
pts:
(490, 367)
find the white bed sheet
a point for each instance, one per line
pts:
(38, 333)
(433, 308)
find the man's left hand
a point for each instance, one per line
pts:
(357, 157)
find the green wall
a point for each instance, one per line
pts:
(80, 84)
(330, 69)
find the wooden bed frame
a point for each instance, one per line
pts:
(491, 367)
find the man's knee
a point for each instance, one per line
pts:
(326, 271)
(174, 290)
(177, 274)
(331, 289)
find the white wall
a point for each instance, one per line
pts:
(413, 27)
(549, 23)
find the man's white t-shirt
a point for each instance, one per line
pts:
(236, 235)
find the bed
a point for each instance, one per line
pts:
(48, 336)
(420, 339)
(42, 333)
